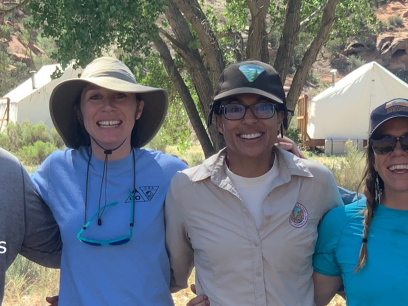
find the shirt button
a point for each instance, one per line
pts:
(268, 217)
(258, 273)
(256, 244)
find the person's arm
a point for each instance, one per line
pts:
(42, 241)
(181, 253)
(325, 287)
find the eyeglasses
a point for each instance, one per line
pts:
(261, 110)
(117, 241)
(387, 144)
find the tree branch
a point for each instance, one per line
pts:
(174, 41)
(305, 22)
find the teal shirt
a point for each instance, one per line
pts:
(383, 280)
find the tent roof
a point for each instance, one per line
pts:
(352, 77)
(42, 78)
(342, 111)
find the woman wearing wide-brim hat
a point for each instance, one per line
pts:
(107, 193)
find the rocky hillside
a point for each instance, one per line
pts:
(389, 48)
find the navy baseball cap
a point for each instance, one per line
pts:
(394, 108)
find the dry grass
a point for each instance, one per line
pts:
(27, 284)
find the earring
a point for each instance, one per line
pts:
(378, 190)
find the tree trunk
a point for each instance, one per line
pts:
(310, 56)
(257, 46)
(195, 67)
(185, 96)
(193, 13)
(289, 38)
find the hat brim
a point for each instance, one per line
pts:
(66, 122)
(385, 120)
(247, 90)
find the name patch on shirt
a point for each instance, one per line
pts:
(299, 216)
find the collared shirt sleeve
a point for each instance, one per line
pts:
(178, 244)
(42, 241)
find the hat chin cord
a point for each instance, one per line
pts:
(104, 180)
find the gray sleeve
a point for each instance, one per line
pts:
(42, 241)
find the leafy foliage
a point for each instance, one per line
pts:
(84, 29)
(175, 129)
(396, 21)
(293, 133)
(35, 154)
(355, 62)
(31, 143)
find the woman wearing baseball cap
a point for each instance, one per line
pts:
(364, 245)
(247, 216)
(105, 192)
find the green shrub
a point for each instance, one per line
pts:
(5, 31)
(293, 133)
(396, 21)
(194, 159)
(355, 62)
(334, 46)
(56, 139)
(36, 153)
(25, 134)
(313, 78)
(33, 133)
(348, 169)
(4, 142)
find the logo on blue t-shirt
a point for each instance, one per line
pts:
(145, 194)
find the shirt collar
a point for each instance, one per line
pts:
(288, 165)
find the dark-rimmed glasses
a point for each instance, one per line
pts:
(117, 241)
(261, 110)
(387, 144)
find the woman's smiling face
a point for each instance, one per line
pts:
(393, 167)
(249, 137)
(109, 116)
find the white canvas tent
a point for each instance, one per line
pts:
(32, 104)
(342, 111)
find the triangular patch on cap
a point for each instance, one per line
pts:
(251, 71)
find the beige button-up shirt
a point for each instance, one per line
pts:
(237, 263)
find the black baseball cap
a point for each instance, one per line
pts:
(249, 77)
(394, 108)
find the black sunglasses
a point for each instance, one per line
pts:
(235, 111)
(387, 144)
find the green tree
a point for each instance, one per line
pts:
(194, 42)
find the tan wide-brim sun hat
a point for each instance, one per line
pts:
(112, 74)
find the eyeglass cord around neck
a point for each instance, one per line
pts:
(105, 180)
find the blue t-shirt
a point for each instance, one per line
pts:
(134, 273)
(382, 281)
